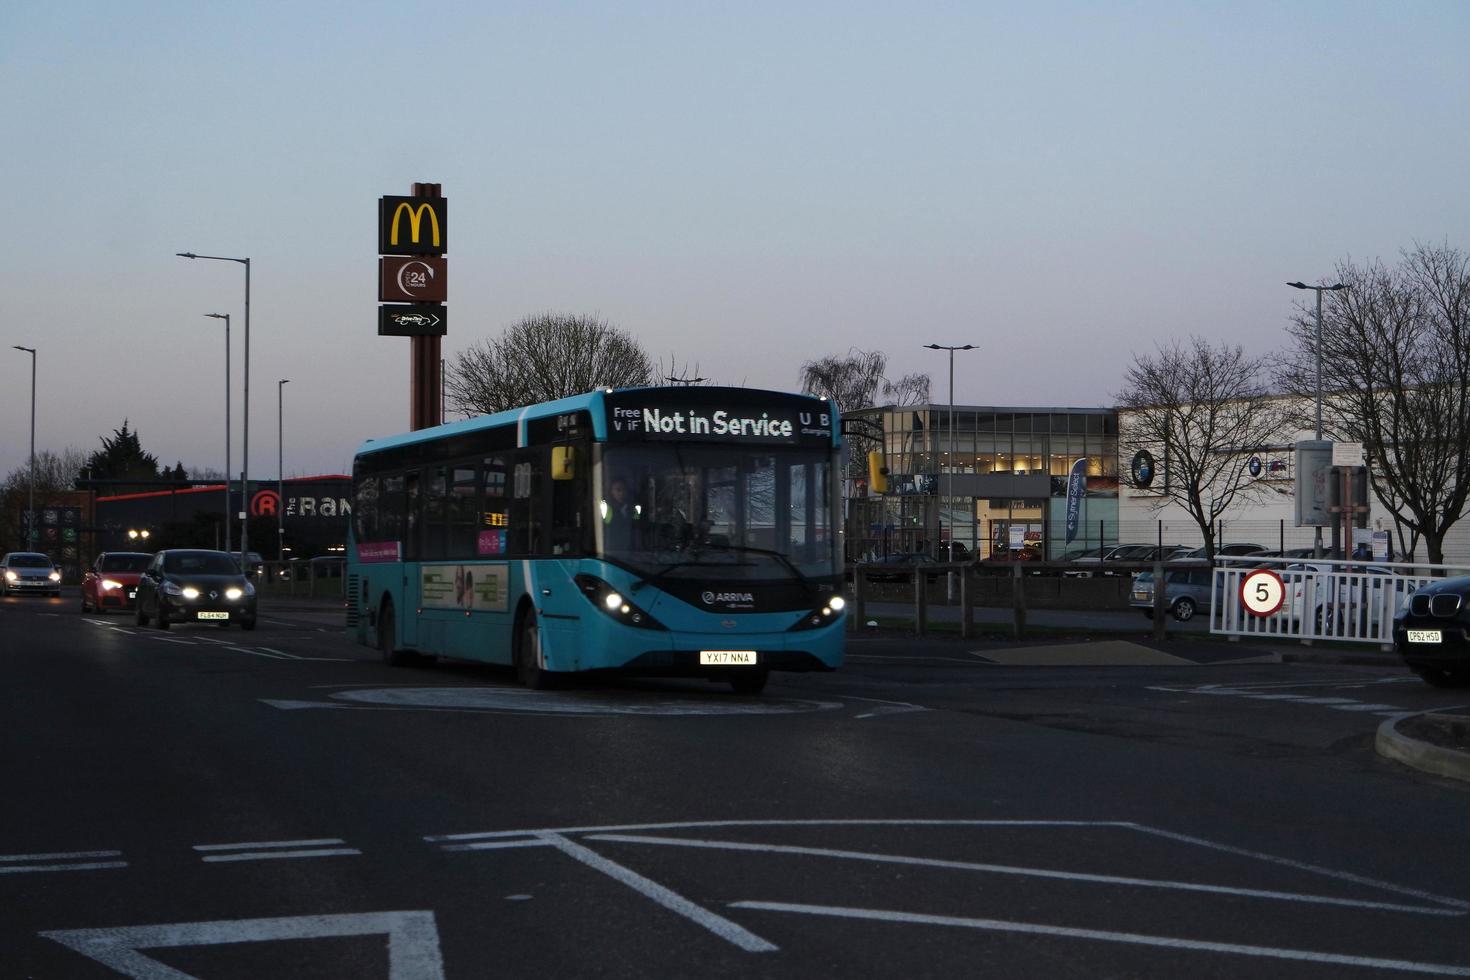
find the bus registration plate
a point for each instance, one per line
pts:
(214, 615)
(1424, 636)
(727, 658)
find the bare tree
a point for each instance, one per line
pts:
(551, 355)
(1203, 411)
(54, 472)
(857, 380)
(1395, 364)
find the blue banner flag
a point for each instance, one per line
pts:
(1076, 490)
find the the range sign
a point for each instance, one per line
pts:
(413, 279)
(419, 320)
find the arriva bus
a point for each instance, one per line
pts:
(666, 531)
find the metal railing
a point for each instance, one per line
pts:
(1321, 599)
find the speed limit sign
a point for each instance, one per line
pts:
(1262, 592)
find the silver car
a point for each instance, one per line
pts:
(1186, 591)
(28, 571)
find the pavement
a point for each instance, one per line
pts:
(1436, 742)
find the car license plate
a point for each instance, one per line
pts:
(1425, 636)
(132, 595)
(1142, 595)
(727, 658)
(214, 615)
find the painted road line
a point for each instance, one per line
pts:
(1100, 935)
(256, 653)
(281, 653)
(1024, 872)
(669, 899)
(707, 824)
(886, 707)
(1375, 708)
(314, 842)
(413, 940)
(283, 855)
(278, 850)
(170, 639)
(79, 861)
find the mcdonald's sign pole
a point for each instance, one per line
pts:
(413, 235)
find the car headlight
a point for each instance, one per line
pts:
(108, 585)
(10, 576)
(615, 604)
(189, 592)
(55, 576)
(234, 592)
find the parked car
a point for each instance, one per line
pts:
(895, 567)
(953, 551)
(1337, 591)
(193, 585)
(1186, 591)
(1226, 550)
(23, 572)
(1001, 562)
(1431, 632)
(112, 580)
(1091, 563)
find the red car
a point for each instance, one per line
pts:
(112, 581)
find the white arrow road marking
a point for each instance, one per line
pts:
(413, 941)
(1099, 935)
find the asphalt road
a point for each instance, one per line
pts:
(218, 804)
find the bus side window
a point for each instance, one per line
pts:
(525, 535)
(462, 517)
(412, 544)
(571, 523)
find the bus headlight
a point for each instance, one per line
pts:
(824, 615)
(613, 603)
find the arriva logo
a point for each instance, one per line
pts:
(710, 598)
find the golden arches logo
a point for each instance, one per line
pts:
(415, 221)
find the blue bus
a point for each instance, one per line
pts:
(685, 531)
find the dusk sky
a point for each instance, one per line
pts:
(743, 187)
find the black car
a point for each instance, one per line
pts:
(195, 586)
(1432, 632)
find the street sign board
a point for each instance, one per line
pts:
(418, 320)
(413, 279)
(413, 226)
(1347, 454)
(1313, 483)
(1262, 592)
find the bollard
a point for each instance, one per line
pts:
(1160, 609)
(1018, 600)
(967, 610)
(921, 598)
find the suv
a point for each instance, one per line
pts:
(28, 571)
(1186, 590)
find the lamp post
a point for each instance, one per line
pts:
(949, 486)
(281, 470)
(245, 435)
(1319, 290)
(31, 507)
(228, 483)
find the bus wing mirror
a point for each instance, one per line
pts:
(877, 473)
(563, 462)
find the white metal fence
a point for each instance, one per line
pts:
(1352, 601)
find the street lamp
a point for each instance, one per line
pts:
(950, 475)
(1319, 290)
(226, 317)
(31, 508)
(245, 435)
(281, 470)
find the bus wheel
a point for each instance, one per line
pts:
(386, 636)
(528, 657)
(750, 681)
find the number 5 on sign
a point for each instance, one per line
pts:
(1262, 592)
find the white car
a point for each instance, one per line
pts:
(28, 571)
(1333, 596)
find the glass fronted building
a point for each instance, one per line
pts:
(996, 476)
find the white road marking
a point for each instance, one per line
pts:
(283, 855)
(171, 639)
(888, 707)
(281, 653)
(413, 941)
(1025, 872)
(668, 898)
(1132, 938)
(256, 653)
(1375, 708)
(60, 857)
(314, 842)
(11, 864)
